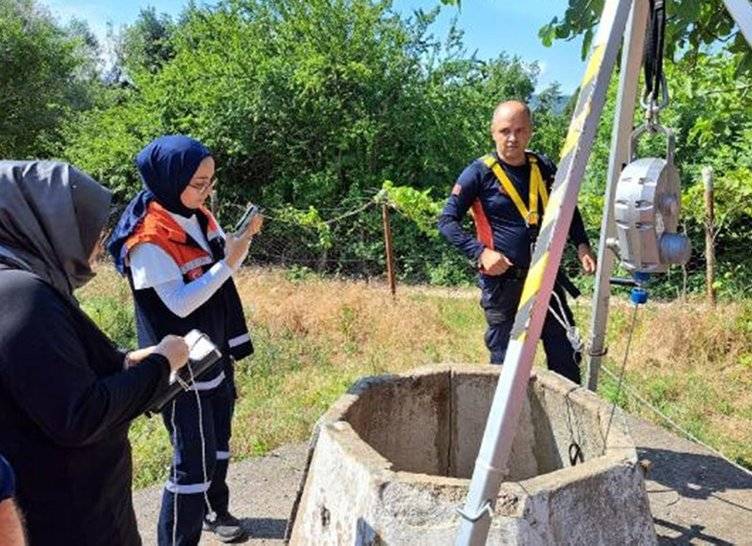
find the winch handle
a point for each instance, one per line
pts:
(653, 128)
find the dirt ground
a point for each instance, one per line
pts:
(695, 496)
(262, 492)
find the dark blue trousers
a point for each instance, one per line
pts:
(184, 494)
(500, 297)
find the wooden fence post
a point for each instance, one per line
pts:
(707, 179)
(388, 247)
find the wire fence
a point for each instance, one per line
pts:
(286, 241)
(346, 241)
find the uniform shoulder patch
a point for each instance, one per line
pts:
(457, 189)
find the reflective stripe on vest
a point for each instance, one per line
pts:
(537, 187)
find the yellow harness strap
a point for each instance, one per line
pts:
(536, 174)
(537, 187)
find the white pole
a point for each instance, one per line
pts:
(741, 11)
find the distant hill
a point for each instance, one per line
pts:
(561, 103)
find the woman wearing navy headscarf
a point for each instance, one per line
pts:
(180, 264)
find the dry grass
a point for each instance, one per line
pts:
(356, 318)
(314, 337)
(694, 363)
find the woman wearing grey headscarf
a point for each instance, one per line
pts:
(66, 395)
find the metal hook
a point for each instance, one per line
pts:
(575, 454)
(653, 128)
(652, 105)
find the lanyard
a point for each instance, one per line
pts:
(537, 187)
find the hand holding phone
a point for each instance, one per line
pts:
(245, 221)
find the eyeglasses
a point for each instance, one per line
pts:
(206, 186)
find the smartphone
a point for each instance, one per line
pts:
(250, 212)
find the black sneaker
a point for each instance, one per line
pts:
(226, 527)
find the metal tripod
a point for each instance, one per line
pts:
(490, 467)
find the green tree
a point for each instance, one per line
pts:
(312, 103)
(550, 121)
(47, 73)
(307, 101)
(145, 44)
(692, 26)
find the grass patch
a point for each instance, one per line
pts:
(689, 361)
(315, 337)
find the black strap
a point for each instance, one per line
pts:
(654, 51)
(564, 281)
(575, 454)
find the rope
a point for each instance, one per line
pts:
(573, 334)
(621, 375)
(575, 429)
(630, 390)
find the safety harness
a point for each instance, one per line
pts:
(531, 217)
(537, 188)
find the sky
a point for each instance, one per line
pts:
(490, 26)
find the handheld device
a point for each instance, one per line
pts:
(203, 353)
(250, 212)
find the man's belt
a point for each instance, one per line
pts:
(518, 273)
(514, 272)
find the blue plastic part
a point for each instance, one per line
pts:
(638, 296)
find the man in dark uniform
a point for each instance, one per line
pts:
(507, 191)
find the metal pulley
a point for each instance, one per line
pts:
(646, 210)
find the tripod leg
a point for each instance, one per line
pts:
(629, 76)
(741, 11)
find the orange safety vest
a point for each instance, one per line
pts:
(160, 228)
